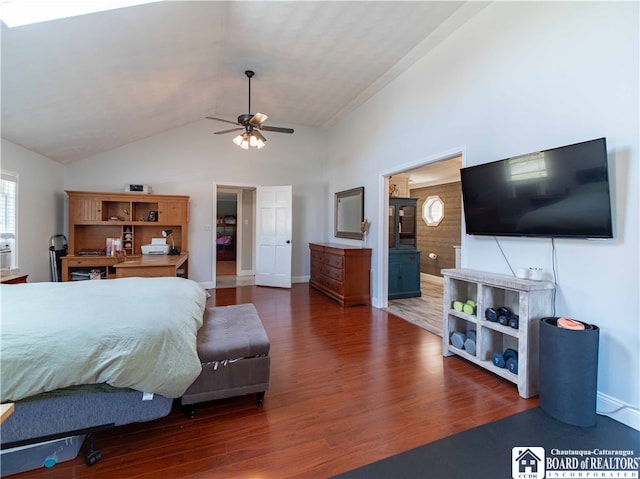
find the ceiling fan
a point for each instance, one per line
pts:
(251, 124)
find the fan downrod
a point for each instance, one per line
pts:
(249, 74)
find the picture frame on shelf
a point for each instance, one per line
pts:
(153, 216)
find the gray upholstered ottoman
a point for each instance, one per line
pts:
(234, 350)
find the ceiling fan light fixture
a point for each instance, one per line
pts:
(249, 139)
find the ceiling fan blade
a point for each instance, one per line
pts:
(257, 119)
(227, 131)
(277, 129)
(220, 119)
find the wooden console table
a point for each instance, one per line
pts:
(152, 265)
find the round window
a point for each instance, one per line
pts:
(433, 210)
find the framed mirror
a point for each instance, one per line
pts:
(349, 213)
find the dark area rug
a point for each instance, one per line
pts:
(529, 445)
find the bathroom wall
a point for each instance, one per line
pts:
(442, 238)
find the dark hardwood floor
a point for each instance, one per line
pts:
(349, 386)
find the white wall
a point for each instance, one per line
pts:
(521, 77)
(191, 159)
(40, 207)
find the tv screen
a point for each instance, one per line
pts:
(562, 192)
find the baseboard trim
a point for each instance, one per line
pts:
(617, 410)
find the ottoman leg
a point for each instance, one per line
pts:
(189, 410)
(260, 398)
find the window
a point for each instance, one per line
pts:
(433, 210)
(8, 219)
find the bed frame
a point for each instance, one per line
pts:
(85, 411)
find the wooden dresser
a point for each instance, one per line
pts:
(342, 272)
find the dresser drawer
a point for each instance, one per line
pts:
(332, 273)
(334, 260)
(332, 285)
(317, 256)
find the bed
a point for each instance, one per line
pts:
(82, 356)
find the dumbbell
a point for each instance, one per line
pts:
(458, 339)
(514, 321)
(512, 365)
(504, 314)
(470, 343)
(469, 307)
(465, 341)
(508, 359)
(490, 314)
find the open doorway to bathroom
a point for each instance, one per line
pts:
(435, 189)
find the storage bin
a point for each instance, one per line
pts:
(569, 372)
(42, 454)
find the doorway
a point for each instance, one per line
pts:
(234, 237)
(226, 232)
(432, 184)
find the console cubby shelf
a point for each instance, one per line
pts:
(530, 300)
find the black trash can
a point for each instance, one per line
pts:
(569, 372)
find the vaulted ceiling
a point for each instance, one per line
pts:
(75, 87)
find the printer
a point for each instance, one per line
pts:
(157, 246)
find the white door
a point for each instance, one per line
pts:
(273, 236)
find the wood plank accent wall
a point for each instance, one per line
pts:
(442, 238)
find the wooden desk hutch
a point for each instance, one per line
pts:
(133, 217)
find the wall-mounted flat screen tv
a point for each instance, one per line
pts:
(562, 192)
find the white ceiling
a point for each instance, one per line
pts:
(75, 87)
(440, 172)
